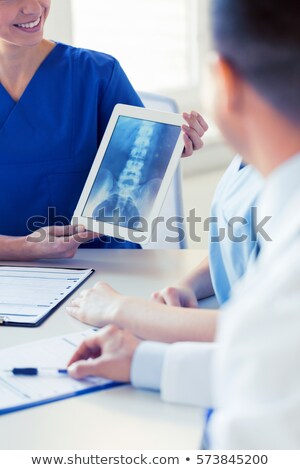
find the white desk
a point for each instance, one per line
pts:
(121, 418)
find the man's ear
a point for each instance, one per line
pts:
(228, 84)
(229, 105)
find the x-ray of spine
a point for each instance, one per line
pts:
(131, 188)
(129, 184)
(131, 174)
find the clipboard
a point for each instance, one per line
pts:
(22, 392)
(29, 295)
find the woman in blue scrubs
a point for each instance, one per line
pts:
(55, 103)
(175, 315)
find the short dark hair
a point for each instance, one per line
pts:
(261, 40)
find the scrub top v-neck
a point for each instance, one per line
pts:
(49, 138)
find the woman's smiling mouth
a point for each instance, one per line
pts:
(33, 25)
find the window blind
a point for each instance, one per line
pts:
(156, 41)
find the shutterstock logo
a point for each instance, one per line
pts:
(174, 229)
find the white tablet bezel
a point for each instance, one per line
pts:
(118, 231)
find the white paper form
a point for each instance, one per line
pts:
(19, 392)
(27, 294)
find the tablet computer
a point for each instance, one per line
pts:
(131, 173)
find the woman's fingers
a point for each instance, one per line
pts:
(194, 130)
(168, 296)
(196, 141)
(157, 297)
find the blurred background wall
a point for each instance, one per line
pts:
(163, 47)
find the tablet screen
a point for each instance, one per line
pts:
(131, 172)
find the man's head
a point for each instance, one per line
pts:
(258, 42)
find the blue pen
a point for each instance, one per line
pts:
(32, 371)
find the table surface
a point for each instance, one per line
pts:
(120, 418)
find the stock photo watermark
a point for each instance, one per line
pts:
(175, 229)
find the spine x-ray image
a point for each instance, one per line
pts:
(131, 172)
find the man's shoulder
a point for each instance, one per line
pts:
(289, 227)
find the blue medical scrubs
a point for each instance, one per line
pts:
(235, 196)
(49, 138)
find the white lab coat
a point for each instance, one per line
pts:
(257, 374)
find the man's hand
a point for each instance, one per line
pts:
(193, 132)
(55, 242)
(108, 354)
(178, 296)
(97, 306)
